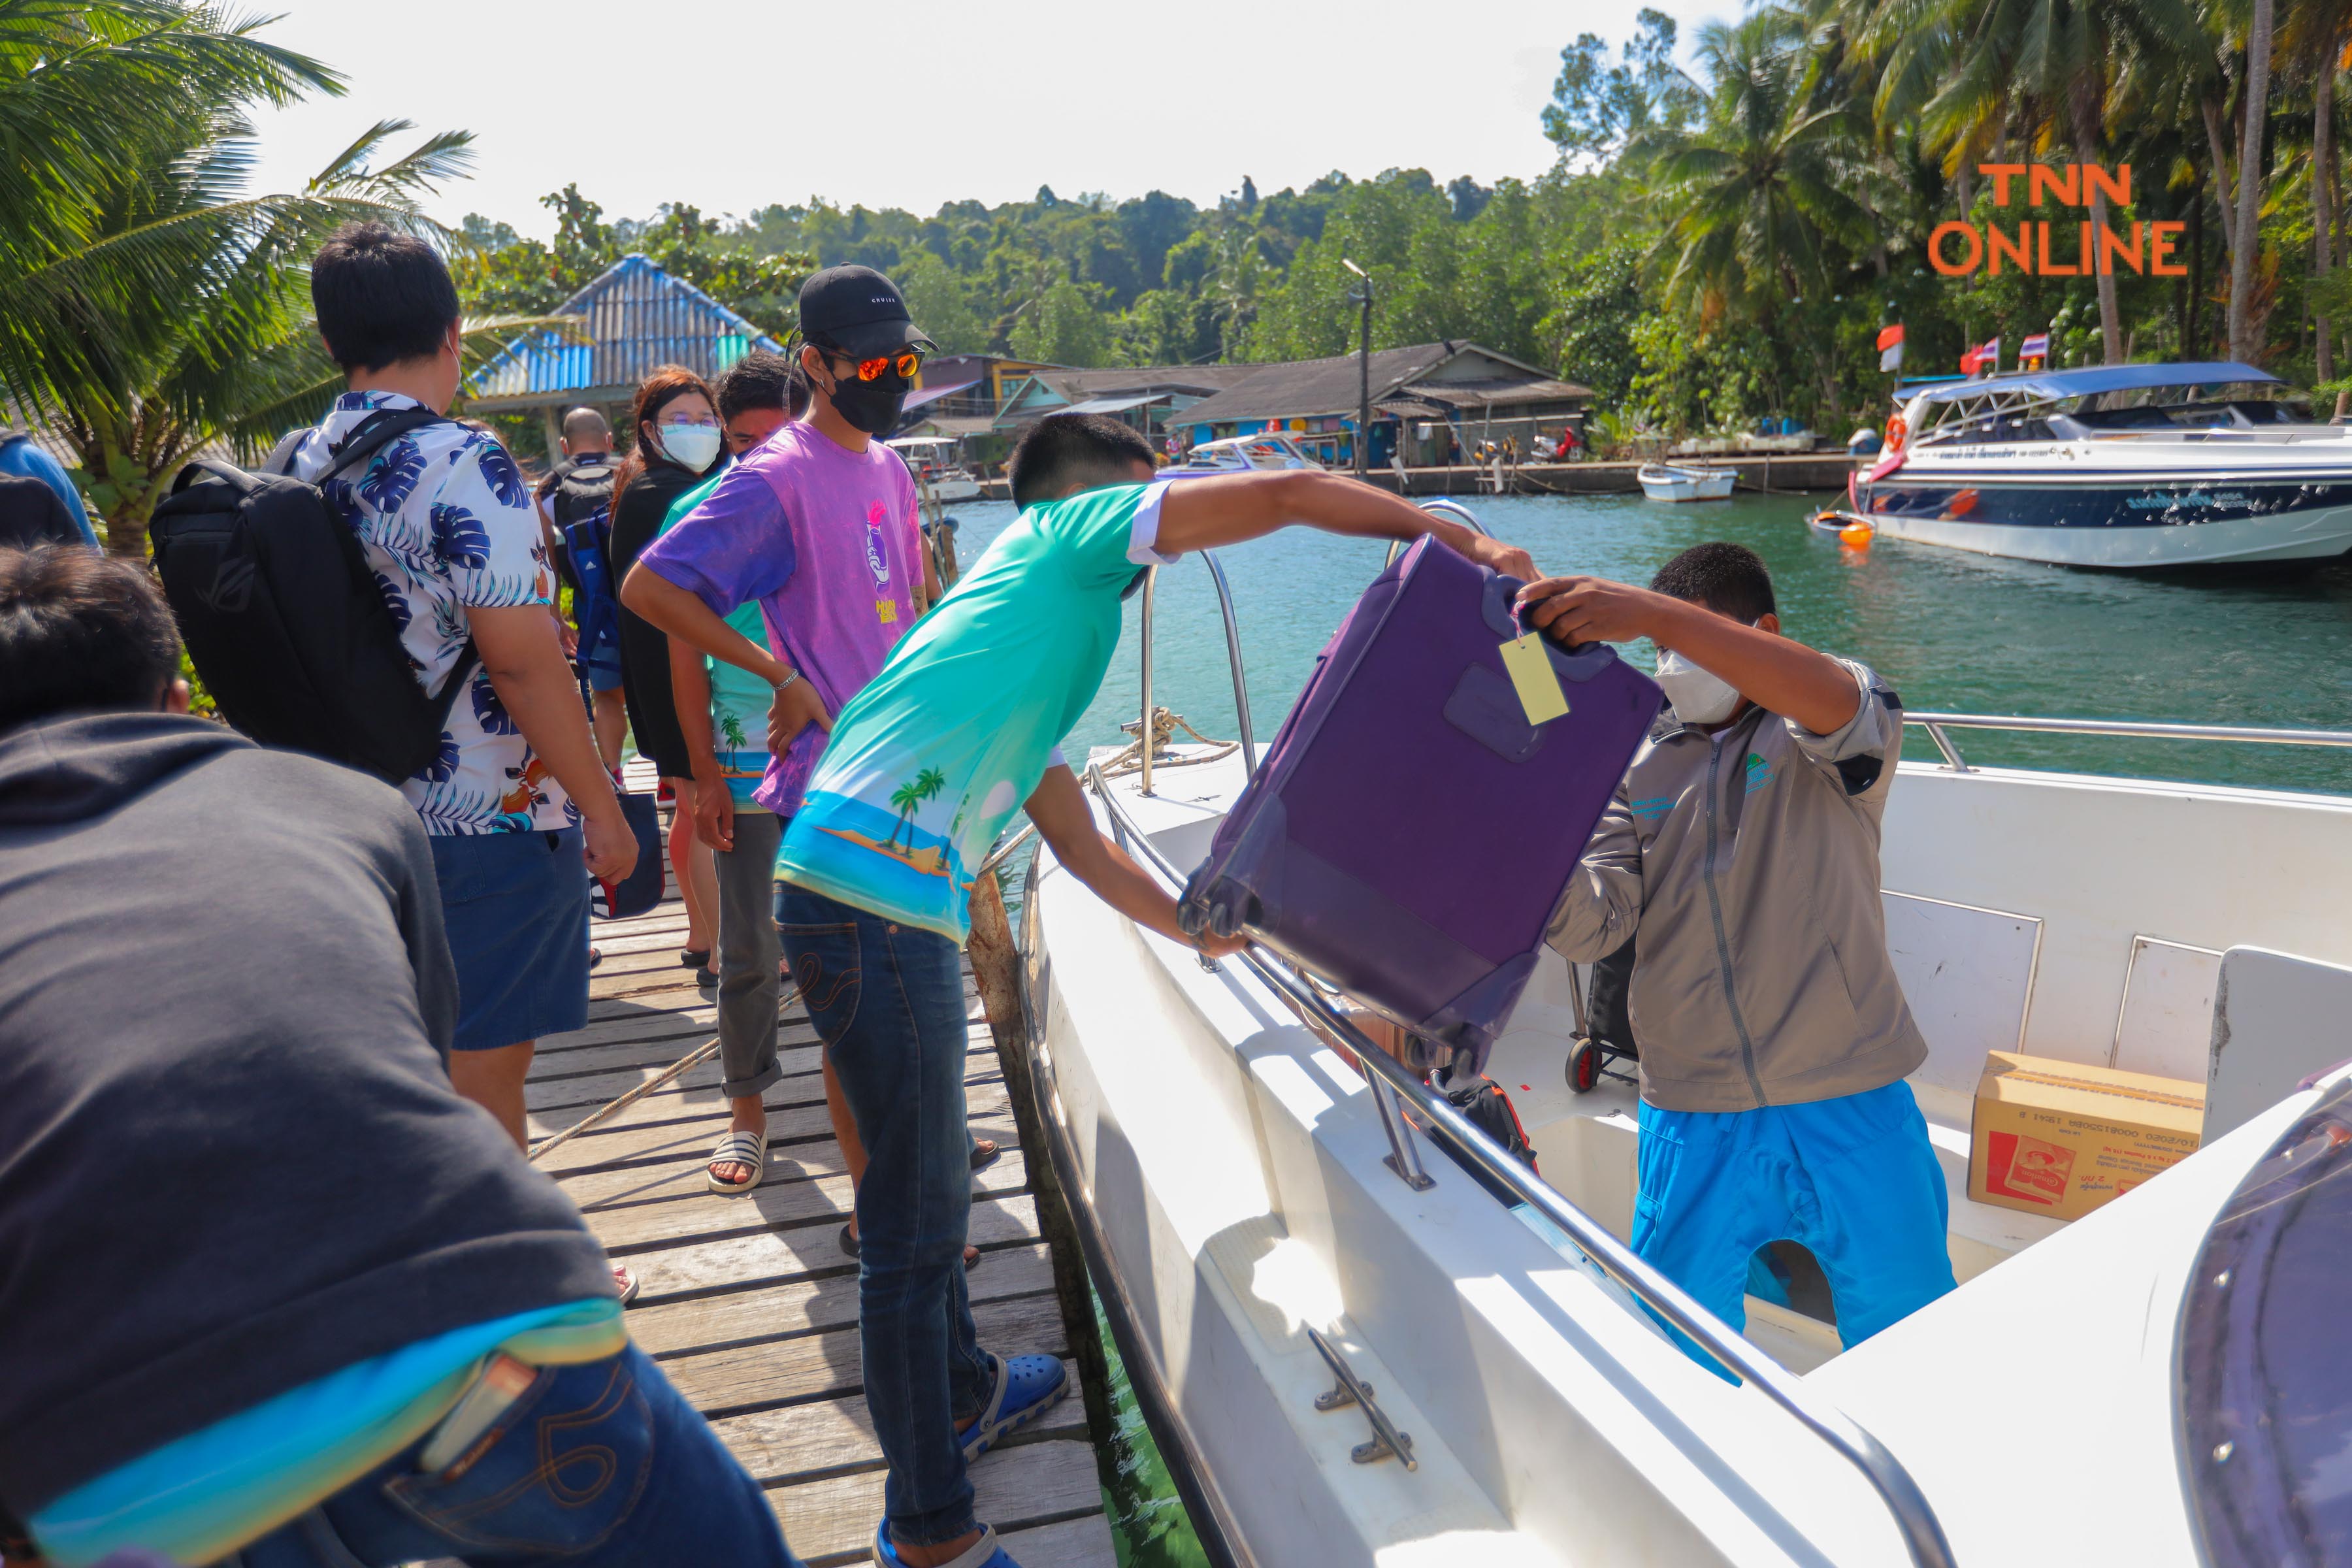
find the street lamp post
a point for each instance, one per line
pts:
(1363, 293)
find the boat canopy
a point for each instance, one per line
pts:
(2051, 386)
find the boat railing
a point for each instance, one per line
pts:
(1938, 725)
(1394, 1089)
(1147, 740)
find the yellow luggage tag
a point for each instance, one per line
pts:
(1532, 675)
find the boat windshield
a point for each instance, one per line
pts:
(2032, 410)
(2265, 1387)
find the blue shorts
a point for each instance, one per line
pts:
(1854, 1179)
(516, 909)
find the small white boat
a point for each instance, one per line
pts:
(932, 460)
(1350, 1353)
(1686, 481)
(1240, 455)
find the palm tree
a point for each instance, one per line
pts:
(905, 797)
(1760, 204)
(1977, 72)
(2255, 117)
(147, 304)
(228, 348)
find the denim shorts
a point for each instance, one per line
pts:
(514, 906)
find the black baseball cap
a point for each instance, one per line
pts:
(858, 311)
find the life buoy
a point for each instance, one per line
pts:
(1895, 431)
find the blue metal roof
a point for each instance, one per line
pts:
(634, 316)
(2083, 382)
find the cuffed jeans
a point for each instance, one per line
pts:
(599, 1465)
(748, 986)
(887, 1001)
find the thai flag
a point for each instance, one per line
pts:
(1984, 361)
(2035, 347)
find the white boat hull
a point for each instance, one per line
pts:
(2316, 535)
(1680, 484)
(1229, 1168)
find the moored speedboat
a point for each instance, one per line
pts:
(2131, 466)
(1259, 1215)
(1686, 481)
(1240, 455)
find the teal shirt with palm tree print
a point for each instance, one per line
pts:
(739, 698)
(932, 759)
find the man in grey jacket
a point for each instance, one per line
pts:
(1743, 844)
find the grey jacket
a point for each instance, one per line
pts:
(1749, 860)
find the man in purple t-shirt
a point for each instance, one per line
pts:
(817, 525)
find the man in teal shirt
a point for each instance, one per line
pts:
(926, 765)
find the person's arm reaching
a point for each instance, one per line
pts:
(526, 668)
(1200, 514)
(714, 802)
(1784, 676)
(1059, 808)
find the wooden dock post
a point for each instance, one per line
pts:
(995, 969)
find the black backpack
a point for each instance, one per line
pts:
(1484, 1105)
(283, 619)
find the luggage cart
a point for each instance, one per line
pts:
(1601, 1042)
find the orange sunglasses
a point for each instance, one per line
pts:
(904, 364)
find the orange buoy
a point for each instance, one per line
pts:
(1856, 535)
(1895, 430)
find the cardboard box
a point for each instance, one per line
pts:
(2059, 1138)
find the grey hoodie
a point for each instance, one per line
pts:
(1748, 859)
(230, 1159)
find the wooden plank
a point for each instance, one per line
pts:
(832, 1520)
(577, 1062)
(701, 1215)
(642, 1024)
(792, 1162)
(1082, 1542)
(825, 1366)
(638, 1144)
(804, 1305)
(807, 1442)
(774, 1257)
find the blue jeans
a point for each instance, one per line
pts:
(887, 1000)
(601, 1463)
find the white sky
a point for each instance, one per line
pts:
(925, 101)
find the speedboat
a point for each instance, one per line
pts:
(932, 460)
(1240, 455)
(1352, 1350)
(1686, 481)
(2129, 466)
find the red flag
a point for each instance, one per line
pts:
(1977, 360)
(1889, 336)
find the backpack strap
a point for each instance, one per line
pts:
(376, 431)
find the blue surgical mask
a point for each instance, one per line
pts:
(691, 446)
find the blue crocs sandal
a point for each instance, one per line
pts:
(1026, 1387)
(982, 1554)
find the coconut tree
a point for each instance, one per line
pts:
(137, 374)
(2044, 71)
(1760, 204)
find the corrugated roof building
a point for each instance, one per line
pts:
(633, 318)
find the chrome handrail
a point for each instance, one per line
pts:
(1232, 657)
(1937, 723)
(1454, 508)
(1922, 1534)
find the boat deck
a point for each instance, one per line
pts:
(749, 1302)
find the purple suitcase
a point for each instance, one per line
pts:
(1409, 833)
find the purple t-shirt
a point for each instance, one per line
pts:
(827, 541)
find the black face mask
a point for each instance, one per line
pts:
(872, 406)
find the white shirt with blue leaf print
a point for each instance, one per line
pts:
(448, 525)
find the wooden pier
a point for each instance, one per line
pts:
(749, 1302)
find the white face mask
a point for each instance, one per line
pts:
(1699, 698)
(694, 447)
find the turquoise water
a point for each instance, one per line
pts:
(1952, 631)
